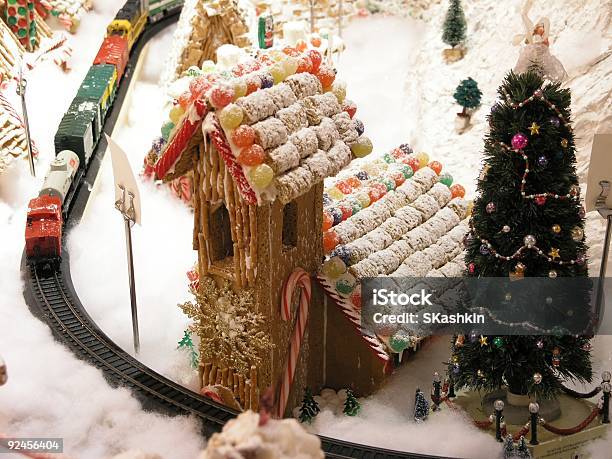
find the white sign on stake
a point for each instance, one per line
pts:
(600, 168)
(124, 177)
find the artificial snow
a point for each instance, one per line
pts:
(395, 74)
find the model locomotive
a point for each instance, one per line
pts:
(82, 126)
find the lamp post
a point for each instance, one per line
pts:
(498, 405)
(534, 409)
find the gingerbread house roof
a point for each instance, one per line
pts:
(392, 218)
(302, 131)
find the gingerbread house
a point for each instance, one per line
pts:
(259, 140)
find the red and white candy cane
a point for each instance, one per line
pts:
(298, 278)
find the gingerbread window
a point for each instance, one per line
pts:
(290, 216)
(222, 245)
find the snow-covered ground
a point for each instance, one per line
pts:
(403, 90)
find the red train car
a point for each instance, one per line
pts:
(43, 234)
(114, 50)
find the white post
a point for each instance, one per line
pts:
(21, 91)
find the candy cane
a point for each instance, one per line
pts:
(298, 278)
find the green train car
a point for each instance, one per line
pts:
(159, 8)
(79, 129)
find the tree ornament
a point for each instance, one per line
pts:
(540, 344)
(537, 378)
(556, 361)
(587, 347)
(542, 161)
(455, 358)
(508, 296)
(574, 190)
(484, 341)
(456, 368)
(540, 200)
(581, 259)
(474, 336)
(564, 143)
(460, 340)
(484, 249)
(555, 121)
(577, 233)
(529, 241)
(552, 274)
(519, 141)
(581, 212)
(472, 268)
(480, 373)
(506, 229)
(554, 253)
(556, 228)
(498, 342)
(534, 128)
(490, 208)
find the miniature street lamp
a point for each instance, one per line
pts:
(498, 405)
(534, 409)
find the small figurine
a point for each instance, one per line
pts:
(536, 53)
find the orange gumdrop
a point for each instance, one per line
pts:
(184, 99)
(457, 191)
(328, 220)
(330, 240)
(251, 156)
(243, 136)
(436, 166)
(326, 76)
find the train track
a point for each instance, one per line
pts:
(51, 296)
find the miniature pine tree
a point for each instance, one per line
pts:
(531, 226)
(351, 404)
(468, 94)
(454, 24)
(509, 449)
(187, 344)
(522, 451)
(310, 407)
(421, 406)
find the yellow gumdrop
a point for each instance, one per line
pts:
(363, 147)
(176, 113)
(290, 65)
(208, 66)
(278, 73)
(422, 158)
(334, 268)
(240, 88)
(261, 176)
(277, 55)
(372, 169)
(339, 90)
(363, 199)
(231, 116)
(335, 193)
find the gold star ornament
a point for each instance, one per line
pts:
(554, 253)
(483, 341)
(534, 128)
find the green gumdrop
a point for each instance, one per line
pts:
(345, 286)
(407, 171)
(446, 179)
(389, 183)
(388, 158)
(356, 205)
(166, 130)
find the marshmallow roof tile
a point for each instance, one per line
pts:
(414, 228)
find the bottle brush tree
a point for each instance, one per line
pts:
(351, 404)
(310, 407)
(454, 24)
(421, 406)
(527, 221)
(468, 95)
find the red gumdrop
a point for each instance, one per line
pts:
(198, 87)
(221, 96)
(436, 166)
(330, 240)
(251, 156)
(347, 211)
(328, 220)
(413, 163)
(344, 186)
(356, 298)
(377, 191)
(398, 178)
(350, 108)
(291, 51)
(253, 84)
(304, 64)
(265, 60)
(354, 182)
(457, 191)
(185, 99)
(243, 136)
(316, 59)
(398, 153)
(326, 76)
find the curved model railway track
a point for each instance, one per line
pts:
(51, 296)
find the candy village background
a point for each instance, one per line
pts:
(403, 89)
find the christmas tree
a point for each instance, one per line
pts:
(421, 406)
(509, 449)
(351, 405)
(454, 24)
(467, 94)
(522, 451)
(309, 408)
(527, 221)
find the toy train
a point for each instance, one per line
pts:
(82, 126)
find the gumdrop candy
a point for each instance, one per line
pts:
(208, 66)
(355, 205)
(339, 90)
(335, 193)
(221, 96)
(240, 88)
(253, 83)
(344, 186)
(359, 126)
(194, 71)
(407, 171)
(436, 166)
(316, 59)
(334, 268)
(372, 169)
(423, 159)
(328, 220)
(231, 116)
(326, 200)
(198, 87)
(185, 99)
(277, 72)
(176, 113)
(446, 179)
(398, 177)
(166, 130)
(398, 153)
(363, 198)
(243, 136)
(343, 253)
(413, 163)
(347, 211)
(304, 64)
(290, 66)
(261, 175)
(349, 107)
(346, 284)
(406, 148)
(362, 175)
(252, 156)
(291, 51)
(356, 298)
(362, 147)
(354, 182)
(336, 214)
(330, 240)
(457, 191)
(376, 192)
(326, 76)
(267, 81)
(388, 158)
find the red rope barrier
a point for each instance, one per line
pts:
(572, 430)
